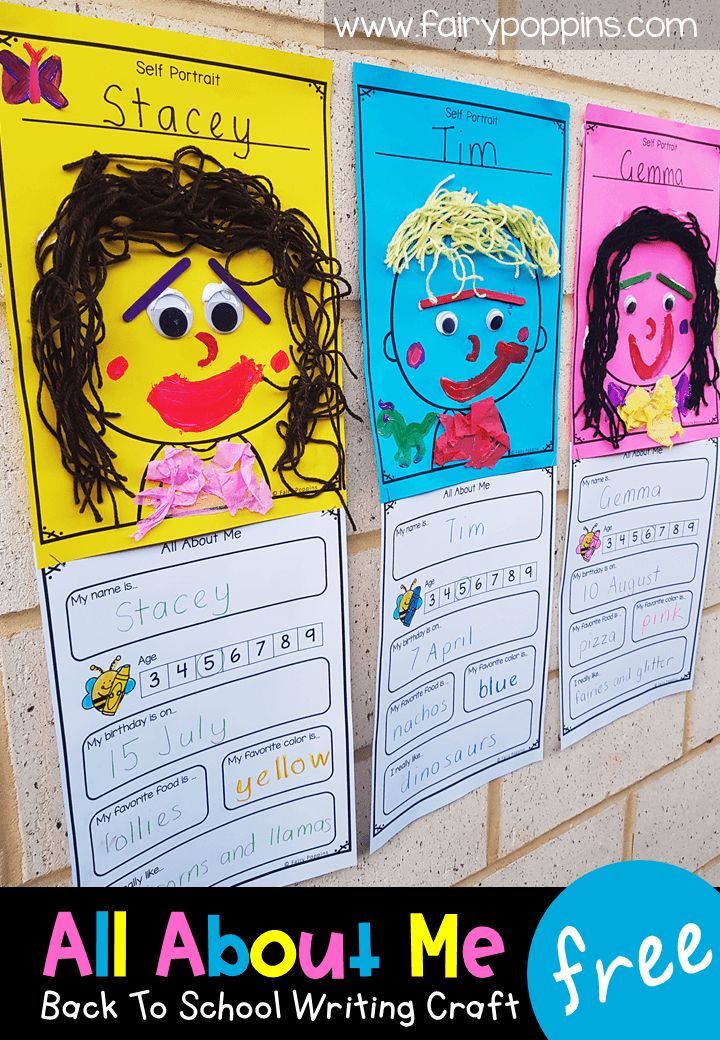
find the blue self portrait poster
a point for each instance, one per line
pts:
(461, 207)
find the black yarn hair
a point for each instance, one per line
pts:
(603, 294)
(172, 205)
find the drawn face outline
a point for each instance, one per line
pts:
(656, 297)
(471, 349)
(223, 370)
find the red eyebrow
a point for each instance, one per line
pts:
(470, 294)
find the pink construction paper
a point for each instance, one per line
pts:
(631, 160)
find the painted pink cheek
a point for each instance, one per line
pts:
(117, 367)
(280, 361)
(415, 355)
(523, 334)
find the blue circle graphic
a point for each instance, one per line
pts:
(629, 952)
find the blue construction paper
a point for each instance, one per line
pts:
(412, 132)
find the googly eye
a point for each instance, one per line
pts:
(630, 304)
(494, 320)
(669, 301)
(170, 314)
(223, 311)
(446, 323)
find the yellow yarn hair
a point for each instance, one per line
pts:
(452, 224)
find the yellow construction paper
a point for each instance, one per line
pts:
(653, 412)
(146, 92)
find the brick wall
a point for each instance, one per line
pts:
(647, 786)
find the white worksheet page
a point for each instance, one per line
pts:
(463, 655)
(636, 555)
(202, 706)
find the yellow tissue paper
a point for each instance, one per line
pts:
(653, 412)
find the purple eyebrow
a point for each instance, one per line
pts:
(239, 290)
(155, 289)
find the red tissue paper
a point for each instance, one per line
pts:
(476, 438)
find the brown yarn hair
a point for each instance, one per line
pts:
(173, 205)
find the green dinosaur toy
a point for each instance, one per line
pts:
(408, 437)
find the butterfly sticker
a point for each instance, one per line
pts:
(34, 82)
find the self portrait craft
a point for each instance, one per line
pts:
(176, 313)
(648, 358)
(195, 363)
(467, 295)
(461, 268)
(646, 370)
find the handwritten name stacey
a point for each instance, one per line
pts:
(133, 111)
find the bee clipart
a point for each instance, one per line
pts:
(589, 542)
(407, 603)
(105, 692)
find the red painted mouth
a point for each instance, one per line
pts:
(506, 354)
(646, 370)
(205, 404)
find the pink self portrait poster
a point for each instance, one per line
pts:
(645, 368)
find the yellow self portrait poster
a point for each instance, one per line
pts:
(169, 268)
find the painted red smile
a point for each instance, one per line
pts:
(646, 370)
(506, 354)
(206, 403)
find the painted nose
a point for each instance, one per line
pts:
(208, 341)
(652, 328)
(475, 352)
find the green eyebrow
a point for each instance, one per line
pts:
(635, 279)
(674, 285)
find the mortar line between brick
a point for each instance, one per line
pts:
(507, 51)
(60, 876)
(586, 814)
(20, 621)
(715, 861)
(11, 850)
(494, 810)
(363, 540)
(687, 720)
(629, 828)
(364, 753)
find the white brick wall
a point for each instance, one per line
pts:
(34, 754)
(705, 698)
(567, 856)
(677, 814)
(536, 799)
